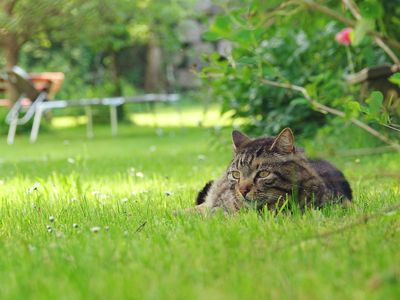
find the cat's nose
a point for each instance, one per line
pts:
(244, 190)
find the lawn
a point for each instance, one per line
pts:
(93, 219)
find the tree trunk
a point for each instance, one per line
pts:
(11, 52)
(154, 81)
(117, 91)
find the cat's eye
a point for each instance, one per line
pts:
(235, 174)
(263, 174)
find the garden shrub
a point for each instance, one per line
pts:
(291, 44)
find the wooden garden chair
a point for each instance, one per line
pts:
(28, 99)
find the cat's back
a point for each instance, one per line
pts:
(332, 177)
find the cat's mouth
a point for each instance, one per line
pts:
(251, 202)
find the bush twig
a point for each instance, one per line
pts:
(366, 151)
(140, 227)
(358, 222)
(326, 109)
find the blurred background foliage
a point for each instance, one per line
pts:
(100, 45)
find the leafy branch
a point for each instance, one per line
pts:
(326, 109)
(378, 38)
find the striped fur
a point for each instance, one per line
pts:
(266, 171)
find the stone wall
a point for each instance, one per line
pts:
(194, 50)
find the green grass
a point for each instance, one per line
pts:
(147, 253)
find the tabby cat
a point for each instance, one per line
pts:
(266, 171)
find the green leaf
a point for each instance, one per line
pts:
(299, 101)
(220, 28)
(362, 28)
(247, 60)
(222, 24)
(371, 9)
(239, 16)
(311, 89)
(384, 118)
(268, 71)
(243, 37)
(395, 78)
(212, 69)
(352, 109)
(211, 36)
(374, 104)
(259, 33)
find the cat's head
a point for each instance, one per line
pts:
(262, 171)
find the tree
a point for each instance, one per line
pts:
(119, 24)
(22, 20)
(103, 27)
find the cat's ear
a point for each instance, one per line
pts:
(284, 142)
(238, 139)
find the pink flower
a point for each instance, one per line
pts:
(343, 36)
